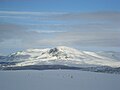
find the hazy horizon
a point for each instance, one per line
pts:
(91, 25)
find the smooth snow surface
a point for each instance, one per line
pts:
(58, 80)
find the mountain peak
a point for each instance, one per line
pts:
(63, 52)
(63, 55)
(56, 52)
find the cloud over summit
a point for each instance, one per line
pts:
(35, 29)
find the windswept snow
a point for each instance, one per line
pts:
(58, 80)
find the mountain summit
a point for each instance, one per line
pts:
(63, 55)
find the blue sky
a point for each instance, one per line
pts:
(83, 24)
(60, 5)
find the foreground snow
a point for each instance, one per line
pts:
(58, 80)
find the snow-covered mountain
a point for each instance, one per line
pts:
(62, 55)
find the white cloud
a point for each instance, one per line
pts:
(48, 31)
(36, 29)
(30, 13)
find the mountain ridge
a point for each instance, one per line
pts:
(62, 55)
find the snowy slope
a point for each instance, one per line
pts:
(63, 55)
